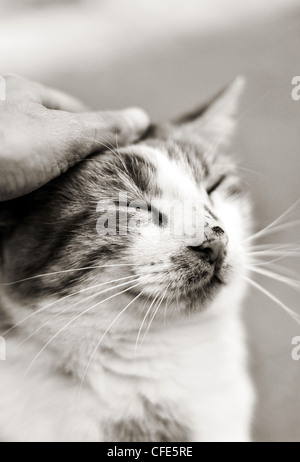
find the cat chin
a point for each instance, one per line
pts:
(194, 297)
(202, 296)
(205, 289)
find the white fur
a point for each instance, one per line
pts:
(195, 363)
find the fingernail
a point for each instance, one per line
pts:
(137, 119)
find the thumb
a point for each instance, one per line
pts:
(104, 130)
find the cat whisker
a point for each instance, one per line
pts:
(108, 142)
(76, 303)
(272, 228)
(262, 247)
(288, 272)
(154, 314)
(250, 170)
(60, 300)
(65, 271)
(147, 300)
(168, 301)
(258, 259)
(288, 310)
(277, 277)
(143, 322)
(103, 336)
(268, 262)
(292, 252)
(261, 262)
(110, 148)
(165, 315)
(73, 320)
(118, 150)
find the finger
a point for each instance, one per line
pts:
(56, 99)
(20, 88)
(117, 128)
(76, 136)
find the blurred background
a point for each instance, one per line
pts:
(168, 57)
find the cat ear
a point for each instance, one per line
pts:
(215, 121)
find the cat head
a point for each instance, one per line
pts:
(161, 220)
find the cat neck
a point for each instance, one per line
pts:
(125, 349)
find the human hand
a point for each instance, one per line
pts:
(44, 132)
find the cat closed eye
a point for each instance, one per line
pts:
(158, 218)
(215, 184)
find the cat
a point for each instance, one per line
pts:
(130, 336)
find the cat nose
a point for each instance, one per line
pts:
(214, 248)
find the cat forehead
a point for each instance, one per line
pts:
(175, 174)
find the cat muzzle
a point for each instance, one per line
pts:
(214, 248)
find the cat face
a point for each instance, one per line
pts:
(173, 179)
(58, 252)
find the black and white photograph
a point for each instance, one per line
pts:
(149, 223)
